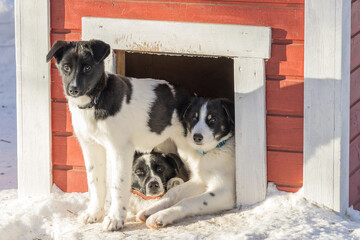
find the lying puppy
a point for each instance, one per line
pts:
(112, 116)
(209, 130)
(153, 174)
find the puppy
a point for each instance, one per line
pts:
(113, 115)
(210, 151)
(153, 174)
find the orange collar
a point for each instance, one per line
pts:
(146, 197)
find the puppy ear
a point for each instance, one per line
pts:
(186, 109)
(228, 107)
(137, 155)
(100, 49)
(57, 50)
(178, 165)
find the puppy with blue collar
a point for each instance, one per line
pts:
(209, 149)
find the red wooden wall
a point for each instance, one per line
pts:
(284, 73)
(354, 168)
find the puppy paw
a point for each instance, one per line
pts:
(141, 216)
(112, 223)
(158, 220)
(92, 216)
(173, 182)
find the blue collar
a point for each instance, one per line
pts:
(222, 143)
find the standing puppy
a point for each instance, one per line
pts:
(112, 115)
(210, 152)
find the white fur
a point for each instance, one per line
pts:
(210, 189)
(113, 140)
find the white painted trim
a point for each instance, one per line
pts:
(250, 115)
(327, 103)
(249, 46)
(32, 40)
(180, 37)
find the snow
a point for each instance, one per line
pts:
(281, 216)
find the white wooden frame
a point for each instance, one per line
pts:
(32, 39)
(249, 46)
(327, 103)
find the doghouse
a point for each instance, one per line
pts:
(285, 63)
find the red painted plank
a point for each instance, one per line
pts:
(285, 97)
(66, 151)
(284, 133)
(355, 86)
(65, 36)
(57, 89)
(355, 52)
(61, 118)
(287, 23)
(285, 168)
(355, 17)
(70, 180)
(355, 120)
(354, 188)
(286, 59)
(288, 189)
(354, 155)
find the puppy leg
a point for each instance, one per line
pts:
(174, 195)
(121, 168)
(95, 162)
(208, 202)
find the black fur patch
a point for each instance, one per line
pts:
(111, 98)
(162, 109)
(212, 194)
(205, 203)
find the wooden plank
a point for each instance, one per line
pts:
(285, 168)
(120, 60)
(354, 155)
(355, 52)
(327, 103)
(250, 112)
(287, 23)
(285, 97)
(32, 27)
(61, 118)
(284, 133)
(354, 188)
(355, 120)
(66, 35)
(67, 151)
(355, 17)
(70, 180)
(288, 189)
(57, 88)
(286, 59)
(181, 38)
(355, 86)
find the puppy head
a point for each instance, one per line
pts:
(81, 64)
(151, 172)
(208, 122)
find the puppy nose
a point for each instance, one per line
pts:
(154, 185)
(198, 137)
(73, 90)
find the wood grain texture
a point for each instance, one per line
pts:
(285, 97)
(61, 119)
(284, 133)
(355, 18)
(285, 168)
(70, 180)
(354, 156)
(355, 87)
(32, 40)
(354, 188)
(355, 121)
(67, 151)
(287, 23)
(355, 52)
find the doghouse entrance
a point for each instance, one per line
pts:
(206, 76)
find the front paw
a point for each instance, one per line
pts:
(112, 223)
(92, 216)
(141, 216)
(158, 220)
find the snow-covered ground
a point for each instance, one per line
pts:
(280, 216)
(8, 163)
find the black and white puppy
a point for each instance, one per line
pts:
(153, 174)
(210, 152)
(112, 116)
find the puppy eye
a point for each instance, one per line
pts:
(159, 169)
(212, 120)
(66, 68)
(87, 68)
(139, 172)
